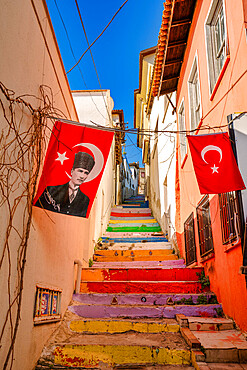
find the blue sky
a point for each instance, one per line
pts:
(116, 53)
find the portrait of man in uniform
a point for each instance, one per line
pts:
(68, 198)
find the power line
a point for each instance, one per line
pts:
(97, 37)
(84, 30)
(133, 143)
(67, 35)
(142, 131)
(72, 51)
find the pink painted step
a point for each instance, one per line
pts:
(131, 213)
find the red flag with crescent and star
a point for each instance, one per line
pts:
(73, 167)
(214, 163)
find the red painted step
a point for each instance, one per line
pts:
(130, 214)
(140, 274)
(185, 287)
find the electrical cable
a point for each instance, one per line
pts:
(67, 35)
(97, 37)
(84, 30)
(134, 131)
(133, 142)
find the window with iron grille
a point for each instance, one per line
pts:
(204, 227)
(229, 217)
(189, 237)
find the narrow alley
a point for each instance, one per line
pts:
(123, 185)
(139, 307)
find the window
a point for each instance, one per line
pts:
(156, 137)
(47, 305)
(189, 237)
(165, 193)
(182, 136)
(216, 41)
(229, 217)
(194, 96)
(204, 227)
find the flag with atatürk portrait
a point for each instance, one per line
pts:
(214, 163)
(73, 167)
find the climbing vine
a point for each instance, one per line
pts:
(22, 145)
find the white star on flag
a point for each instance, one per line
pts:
(215, 169)
(61, 157)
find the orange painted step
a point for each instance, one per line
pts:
(134, 255)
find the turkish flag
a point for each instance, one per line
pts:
(214, 163)
(73, 167)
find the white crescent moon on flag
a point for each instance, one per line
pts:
(99, 161)
(208, 148)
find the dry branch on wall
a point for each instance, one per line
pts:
(22, 145)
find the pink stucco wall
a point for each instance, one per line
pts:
(230, 97)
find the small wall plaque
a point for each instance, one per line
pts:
(47, 305)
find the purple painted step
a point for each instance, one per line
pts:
(120, 209)
(139, 299)
(152, 239)
(132, 218)
(111, 311)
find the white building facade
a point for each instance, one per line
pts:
(85, 102)
(154, 119)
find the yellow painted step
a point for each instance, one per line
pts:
(121, 326)
(92, 356)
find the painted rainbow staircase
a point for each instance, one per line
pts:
(140, 307)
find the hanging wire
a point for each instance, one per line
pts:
(97, 37)
(84, 30)
(146, 132)
(133, 143)
(72, 51)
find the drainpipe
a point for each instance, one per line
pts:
(78, 277)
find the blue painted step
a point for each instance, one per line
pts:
(134, 240)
